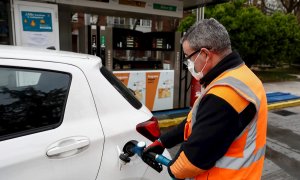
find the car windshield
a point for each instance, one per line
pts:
(121, 88)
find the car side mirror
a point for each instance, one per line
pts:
(149, 129)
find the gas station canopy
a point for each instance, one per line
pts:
(171, 8)
(192, 4)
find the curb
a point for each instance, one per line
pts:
(284, 104)
(164, 123)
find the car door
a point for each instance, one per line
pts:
(49, 127)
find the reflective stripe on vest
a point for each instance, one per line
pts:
(249, 155)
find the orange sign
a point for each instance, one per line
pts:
(151, 86)
(123, 77)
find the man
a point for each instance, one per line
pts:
(224, 135)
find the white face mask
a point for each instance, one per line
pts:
(191, 68)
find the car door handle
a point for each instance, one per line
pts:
(68, 147)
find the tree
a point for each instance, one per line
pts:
(284, 33)
(186, 22)
(260, 39)
(246, 27)
(292, 6)
(287, 6)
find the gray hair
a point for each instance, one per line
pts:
(208, 33)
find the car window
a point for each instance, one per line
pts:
(119, 86)
(31, 100)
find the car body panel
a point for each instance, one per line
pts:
(80, 120)
(98, 121)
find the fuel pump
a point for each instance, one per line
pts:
(102, 49)
(94, 46)
(93, 40)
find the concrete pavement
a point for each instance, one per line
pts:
(283, 138)
(283, 145)
(292, 87)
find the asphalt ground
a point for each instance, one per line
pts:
(283, 135)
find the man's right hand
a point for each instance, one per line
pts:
(156, 147)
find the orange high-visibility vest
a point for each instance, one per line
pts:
(245, 156)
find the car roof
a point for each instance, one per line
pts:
(19, 52)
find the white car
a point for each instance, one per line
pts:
(64, 116)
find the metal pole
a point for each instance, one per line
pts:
(13, 22)
(199, 13)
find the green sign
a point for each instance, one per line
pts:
(102, 41)
(164, 7)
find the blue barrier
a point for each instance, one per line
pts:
(280, 96)
(171, 112)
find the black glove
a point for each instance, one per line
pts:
(156, 147)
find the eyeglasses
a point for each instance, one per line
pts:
(185, 60)
(191, 55)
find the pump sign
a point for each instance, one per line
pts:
(36, 21)
(154, 88)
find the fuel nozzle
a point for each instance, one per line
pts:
(134, 147)
(128, 151)
(139, 148)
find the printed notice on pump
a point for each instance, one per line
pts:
(37, 21)
(38, 24)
